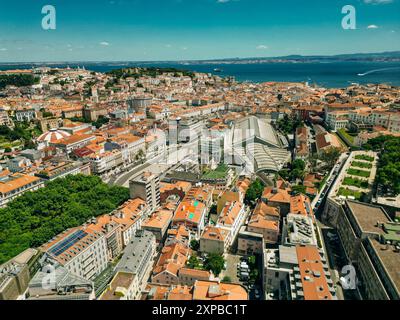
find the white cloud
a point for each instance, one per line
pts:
(3, 49)
(222, 1)
(262, 47)
(168, 45)
(104, 43)
(377, 1)
(372, 26)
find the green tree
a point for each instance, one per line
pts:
(195, 245)
(252, 262)
(299, 188)
(330, 156)
(193, 262)
(35, 217)
(284, 174)
(100, 121)
(388, 173)
(18, 80)
(227, 279)
(254, 192)
(299, 164)
(215, 263)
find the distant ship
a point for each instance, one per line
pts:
(217, 70)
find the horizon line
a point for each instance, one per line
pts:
(191, 60)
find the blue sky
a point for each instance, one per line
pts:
(138, 30)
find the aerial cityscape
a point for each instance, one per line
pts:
(209, 177)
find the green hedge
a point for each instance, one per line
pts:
(358, 172)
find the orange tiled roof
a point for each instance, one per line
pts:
(210, 290)
(214, 233)
(17, 181)
(276, 195)
(315, 286)
(173, 257)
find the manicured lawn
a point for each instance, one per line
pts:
(347, 192)
(355, 183)
(346, 135)
(219, 173)
(364, 157)
(361, 164)
(357, 172)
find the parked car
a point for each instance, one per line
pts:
(244, 275)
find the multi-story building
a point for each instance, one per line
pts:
(214, 240)
(371, 243)
(129, 145)
(18, 164)
(178, 234)
(231, 218)
(337, 120)
(190, 213)
(92, 113)
(111, 230)
(297, 273)
(105, 161)
(16, 273)
(60, 284)
(325, 141)
(15, 185)
(158, 223)
(146, 186)
(57, 169)
(301, 142)
(139, 104)
(250, 243)
(278, 198)
(25, 115)
(131, 216)
(172, 259)
(133, 269)
(265, 220)
(188, 277)
(69, 144)
(5, 119)
(298, 229)
(82, 252)
(201, 290)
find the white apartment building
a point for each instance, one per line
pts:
(25, 115)
(231, 218)
(337, 120)
(106, 161)
(82, 252)
(14, 185)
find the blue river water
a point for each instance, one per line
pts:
(327, 74)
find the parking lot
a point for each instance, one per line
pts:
(232, 261)
(231, 268)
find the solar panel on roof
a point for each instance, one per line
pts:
(68, 242)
